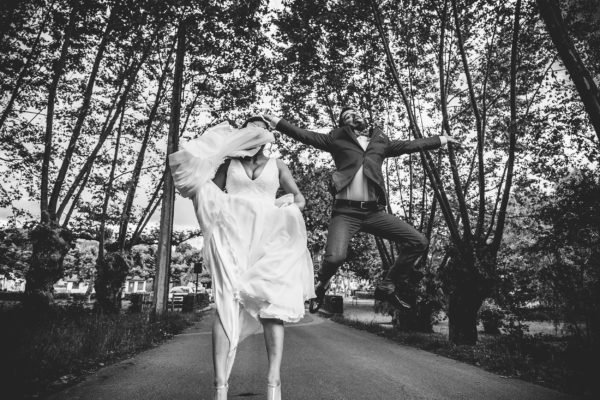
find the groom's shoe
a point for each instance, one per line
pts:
(387, 291)
(317, 302)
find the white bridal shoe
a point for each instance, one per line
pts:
(221, 392)
(274, 392)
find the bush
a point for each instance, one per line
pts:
(536, 314)
(79, 296)
(11, 296)
(491, 316)
(38, 349)
(62, 296)
(563, 363)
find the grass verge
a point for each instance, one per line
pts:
(43, 353)
(562, 363)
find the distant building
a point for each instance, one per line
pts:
(12, 283)
(72, 285)
(136, 284)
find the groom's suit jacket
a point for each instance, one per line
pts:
(348, 155)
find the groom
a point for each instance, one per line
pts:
(360, 201)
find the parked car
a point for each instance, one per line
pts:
(176, 293)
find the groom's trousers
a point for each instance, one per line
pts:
(347, 220)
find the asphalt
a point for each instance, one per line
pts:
(322, 360)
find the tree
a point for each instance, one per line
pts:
(476, 91)
(569, 243)
(584, 82)
(50, 241)
(15, 251)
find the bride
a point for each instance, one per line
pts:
(254, 244)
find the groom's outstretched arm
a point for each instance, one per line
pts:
(319, 140)
(398, 147)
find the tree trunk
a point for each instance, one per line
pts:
(59, 67)
(107, 269)
(76, 198)
(512, 131)
(106, 131)
(480, 136)
(111, 273)
(587, 88)
(135, 177)
(467, 281)
(463, 306)
(51, 244)
(161, 281)
(148, 212)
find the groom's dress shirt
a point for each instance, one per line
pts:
(359, 188)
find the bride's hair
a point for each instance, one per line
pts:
(256, 118)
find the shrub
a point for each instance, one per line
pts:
(11, 296)
(491, 316)
(38, 349)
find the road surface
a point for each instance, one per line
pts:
(322, 360)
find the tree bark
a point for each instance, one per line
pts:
(50, 246)
(111, 273)
(463, 306)
(583, 80)
(161, 281)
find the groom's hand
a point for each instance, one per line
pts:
(271, 120)
(451, 140)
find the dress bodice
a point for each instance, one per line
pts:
(263, 186)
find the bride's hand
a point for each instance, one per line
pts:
(300, 205)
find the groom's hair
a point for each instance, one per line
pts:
(344, 109)
(255, 119)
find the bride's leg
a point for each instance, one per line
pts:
(273, 331)
(220, 343)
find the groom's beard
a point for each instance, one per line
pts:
(361, 125)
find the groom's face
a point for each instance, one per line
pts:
(354, 120)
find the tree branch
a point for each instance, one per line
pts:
(429, 167)
(480, 137)
(512, 129)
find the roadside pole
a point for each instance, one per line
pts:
(161, 282)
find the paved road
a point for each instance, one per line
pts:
(322, 360)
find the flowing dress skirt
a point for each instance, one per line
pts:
(258, 260)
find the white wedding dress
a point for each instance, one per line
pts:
(254, 244)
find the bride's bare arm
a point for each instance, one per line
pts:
(286, 181)
(221, 175)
